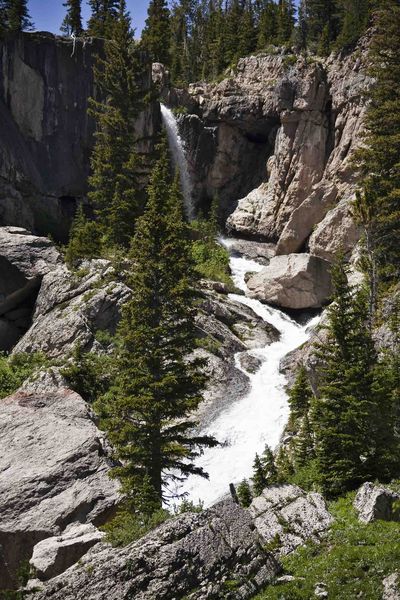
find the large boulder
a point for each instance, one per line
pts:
(24, 260)
(374, 502)
(297, 281)
(53, 472)
(286, 516)
(210, 555)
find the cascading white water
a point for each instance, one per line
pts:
(178, 154)
(258, 418)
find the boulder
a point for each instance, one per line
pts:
(213, 554)
(391, 587)
(286, 517)
(373, 502)
(249, 363)
(55, 555)
(297, 281)
(54, 472)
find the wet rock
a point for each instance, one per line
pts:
(286, 517)
(213, 554)
(54, 473)
(55, 555)
(376, 503)
(297, 281)
(391, 587)
(258, 251)
(249, 363)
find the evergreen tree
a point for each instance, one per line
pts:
(72, 23)
(268, 25)
(84, 239)
(244, 493)
(343, 412)
(180, 30)
(268, 465)
(303, 444)
(380, 157)
(259, 479)
(302, 27)
(104, 13)
(17, 16)
(323, 23)
(300, 396)
(247, 35)
(285, 23)
(147, 411)
(284, 466)
(115, 162)
(156, 35)
(355, 15)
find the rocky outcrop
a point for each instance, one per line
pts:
(24, 260)
(46, 134)
(53, 472)
(297, 281)
(391, 587)
(373, 502)
(285, 516)
(210, 555)
(55, 555)
(72, 307)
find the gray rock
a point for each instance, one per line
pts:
(249, 363)
(286, 517)
(54, 473)
(391, 587)
(258, 251)
(373, 502)
(210, 555)
(297, 281)
(55, 555)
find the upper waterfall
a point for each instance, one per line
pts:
(178, 154)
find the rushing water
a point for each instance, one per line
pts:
(177, 148)
(258, 418)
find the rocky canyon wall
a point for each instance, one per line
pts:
(46, 135)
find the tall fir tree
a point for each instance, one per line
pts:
(104, 13)
(259, 479)
(300, 397)
(268, 25)
(344, 411)
(156, 35)
(285, 22)
(323, 23)
(379, 158)
(72, 23)
(354, 20)
(84, 239)
(17, 16)
(244, 493)
(115, 162)
(148, 410)
(268, 465)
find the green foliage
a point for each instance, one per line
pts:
(147, 410)
(115, 162)
(300, 396)
(15, 16)
(16, 369)
(187, 506)
(84, 239)
(264, 471)
(72, 23)
(128, 526)
(104, 13)
(244, 493)
(352, 560)
(88, 373)
(156, 35)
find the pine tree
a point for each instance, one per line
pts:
(104, 14)
(259, 479)
(343, 412)
(84, 239)
(17, 15)
(115, 162)
(283, 465)
(355, 15)
(299, 397)
(156, 35)
(286, 12)
(323, 23)
(302, 27)
(268, 25)
(303, 444)
(244, 493)
(268, 465)
(380, 157)
(72, 23)
(247, 35)
(147, 411)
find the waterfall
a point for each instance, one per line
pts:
(257, 419)
(177, 148)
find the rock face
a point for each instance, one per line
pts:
(211, 555)
(55, 555)
(285, 516)
(53, 473)
(297, 281)
(46, 134)
(391, 587)
(373, 502)
(278, 137)
(24, 260)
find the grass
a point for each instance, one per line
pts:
(352, 560)
(17, 368)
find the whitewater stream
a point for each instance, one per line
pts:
(259, 417)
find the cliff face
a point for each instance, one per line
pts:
(275, 141)
(46, 135)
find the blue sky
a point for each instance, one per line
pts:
(48, 14)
